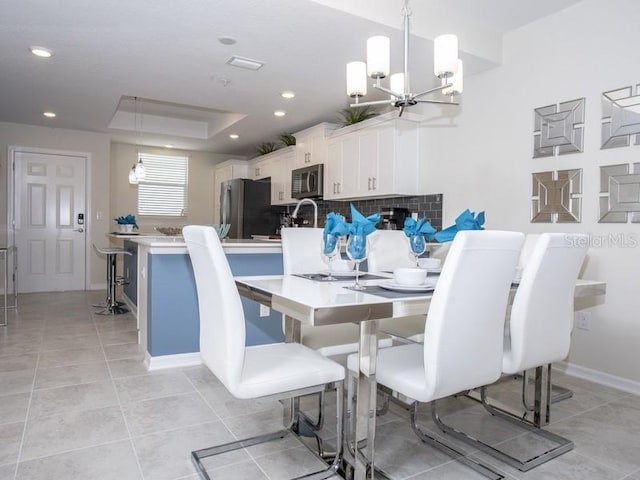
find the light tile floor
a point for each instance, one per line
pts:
(77, 403)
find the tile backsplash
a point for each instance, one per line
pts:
(428, 206)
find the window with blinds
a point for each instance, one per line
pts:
(163, 191)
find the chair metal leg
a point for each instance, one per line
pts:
(563, 445)
(198, 456)
(448, 448)
(558, 392)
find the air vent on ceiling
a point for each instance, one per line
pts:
(242, 62)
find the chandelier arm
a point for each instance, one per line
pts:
(386, 90)
(376, 102)
(431, 90)
(438, 101)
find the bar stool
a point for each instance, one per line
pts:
(112, 306)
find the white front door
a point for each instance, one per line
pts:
(49, 205)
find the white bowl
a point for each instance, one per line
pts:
(410, 276)
(341, 265)
(429, 263)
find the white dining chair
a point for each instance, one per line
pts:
(539, 331)
(388, 250)
(463, 334)
(558, 392)
(302, 253)
(281, 370)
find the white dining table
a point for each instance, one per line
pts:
(317, 303)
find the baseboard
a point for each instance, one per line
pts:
(172, 361)
(597, 376)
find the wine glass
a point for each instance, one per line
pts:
(357, 251)
(330, 248)
(418, 246)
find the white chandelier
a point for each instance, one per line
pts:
(447, 67)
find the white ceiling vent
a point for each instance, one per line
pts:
(247, 63)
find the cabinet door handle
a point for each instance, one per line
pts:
(338, 187)
(375, 183)
(369, 183)
(257, 172)
(280, 195)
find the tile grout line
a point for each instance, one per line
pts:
(26, 420)
(113, 385)
(225, 426)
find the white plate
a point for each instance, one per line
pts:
(425, 287)
(350, 274)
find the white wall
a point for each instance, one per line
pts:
(486, 162)
(97, 145)
(124, 197)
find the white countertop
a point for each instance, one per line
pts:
(176, 244)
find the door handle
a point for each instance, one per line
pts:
(79, 230)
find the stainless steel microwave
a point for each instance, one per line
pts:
(307, 182)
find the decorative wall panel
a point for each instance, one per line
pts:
(620, 117)
(558, 129)
(557, 196)
(620, 193)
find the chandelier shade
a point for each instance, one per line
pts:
(356, 79)
(456, 81)
(378, 56)
(445, 55)
(447, 66)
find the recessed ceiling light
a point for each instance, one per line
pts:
(41, 52)
(288, 94)
(234, 136)
(49, 114)
(279, 113)
(168, 145)
(227, 40)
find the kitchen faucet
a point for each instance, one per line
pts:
(294, 215)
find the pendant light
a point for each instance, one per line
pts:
(138, 171)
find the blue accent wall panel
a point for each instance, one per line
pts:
(260, 330)
(174, 325)
(172, 306)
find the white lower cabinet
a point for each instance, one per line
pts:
(375, 161)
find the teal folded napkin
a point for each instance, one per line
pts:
(334, 228)
(421, 226)
(467, 220)
(362, 225)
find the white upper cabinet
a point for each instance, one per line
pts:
(377, 158)
(311, 145)
(341, 168)
(281, 178)
(276, 165)
(226, 171)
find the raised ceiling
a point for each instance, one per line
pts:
(168, 54)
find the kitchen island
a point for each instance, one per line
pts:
(163, 292)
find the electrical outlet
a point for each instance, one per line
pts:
(264, 311)
(583, 320)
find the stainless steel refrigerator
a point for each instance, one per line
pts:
(246, 205)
